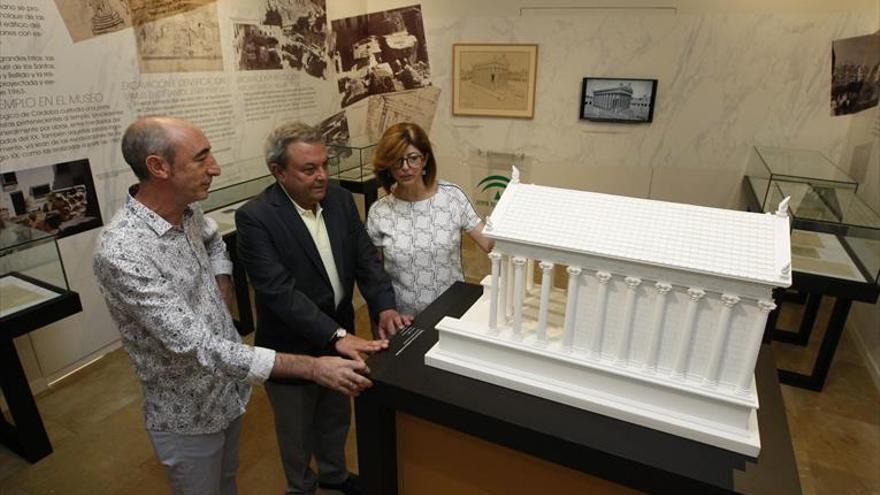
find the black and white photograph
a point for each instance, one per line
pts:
(58, 199)
(334, 129)
(291, 35)
(855, 74)
(380, 53)
(605, 99)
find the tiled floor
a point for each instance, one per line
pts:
(95, 424)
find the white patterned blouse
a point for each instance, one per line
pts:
(421, 242)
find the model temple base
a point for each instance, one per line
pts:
(576, 380)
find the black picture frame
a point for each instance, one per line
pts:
(626, 100)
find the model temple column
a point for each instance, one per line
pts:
(574, 273)
(657, 318)
(601, 301)
(544, 305)
(495, 258)
(518, 285)
(719, 345)
(502, 290)
(508, 287)
(629, 309)
(530, 275)
(687, 332)
(744, 383)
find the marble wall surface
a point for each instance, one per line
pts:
(727, 81)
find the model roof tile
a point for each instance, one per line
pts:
(747, 246)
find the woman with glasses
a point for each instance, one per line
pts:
(417, 227)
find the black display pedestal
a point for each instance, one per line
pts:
(27, 436)
(614, 450)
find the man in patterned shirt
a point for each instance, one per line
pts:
(160, 265)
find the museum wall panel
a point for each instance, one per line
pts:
(74, 74)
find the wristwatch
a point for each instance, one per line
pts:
(338, 335)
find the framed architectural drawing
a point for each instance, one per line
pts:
(629, 101)
(496, 80)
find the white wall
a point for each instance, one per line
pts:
(729, 78)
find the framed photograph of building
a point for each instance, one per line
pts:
(496, 80)
(629, 101)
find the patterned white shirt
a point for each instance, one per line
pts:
(421, 243)
(158, 281)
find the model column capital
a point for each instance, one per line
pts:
(766, 305)
(696, 294)
(729, 300)
(663, 288)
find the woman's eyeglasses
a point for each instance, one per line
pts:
(413, 160)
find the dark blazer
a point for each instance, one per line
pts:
(294, 298)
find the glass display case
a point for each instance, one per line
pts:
(351, 163)
(32, 276)
(835, 233)
(221, 203)
(33, 293)
(352, 167)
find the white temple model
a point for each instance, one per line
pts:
(661, 320)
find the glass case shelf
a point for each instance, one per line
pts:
(835, 233)
(236, 193)
(31, 271)
(34, 291)
(221, 203)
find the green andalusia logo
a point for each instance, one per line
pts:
(492, 186)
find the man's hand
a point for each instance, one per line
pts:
(390, 321)
(342, 375)
(224, 282)
(351, 346)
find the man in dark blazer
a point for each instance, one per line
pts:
(303, 246)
